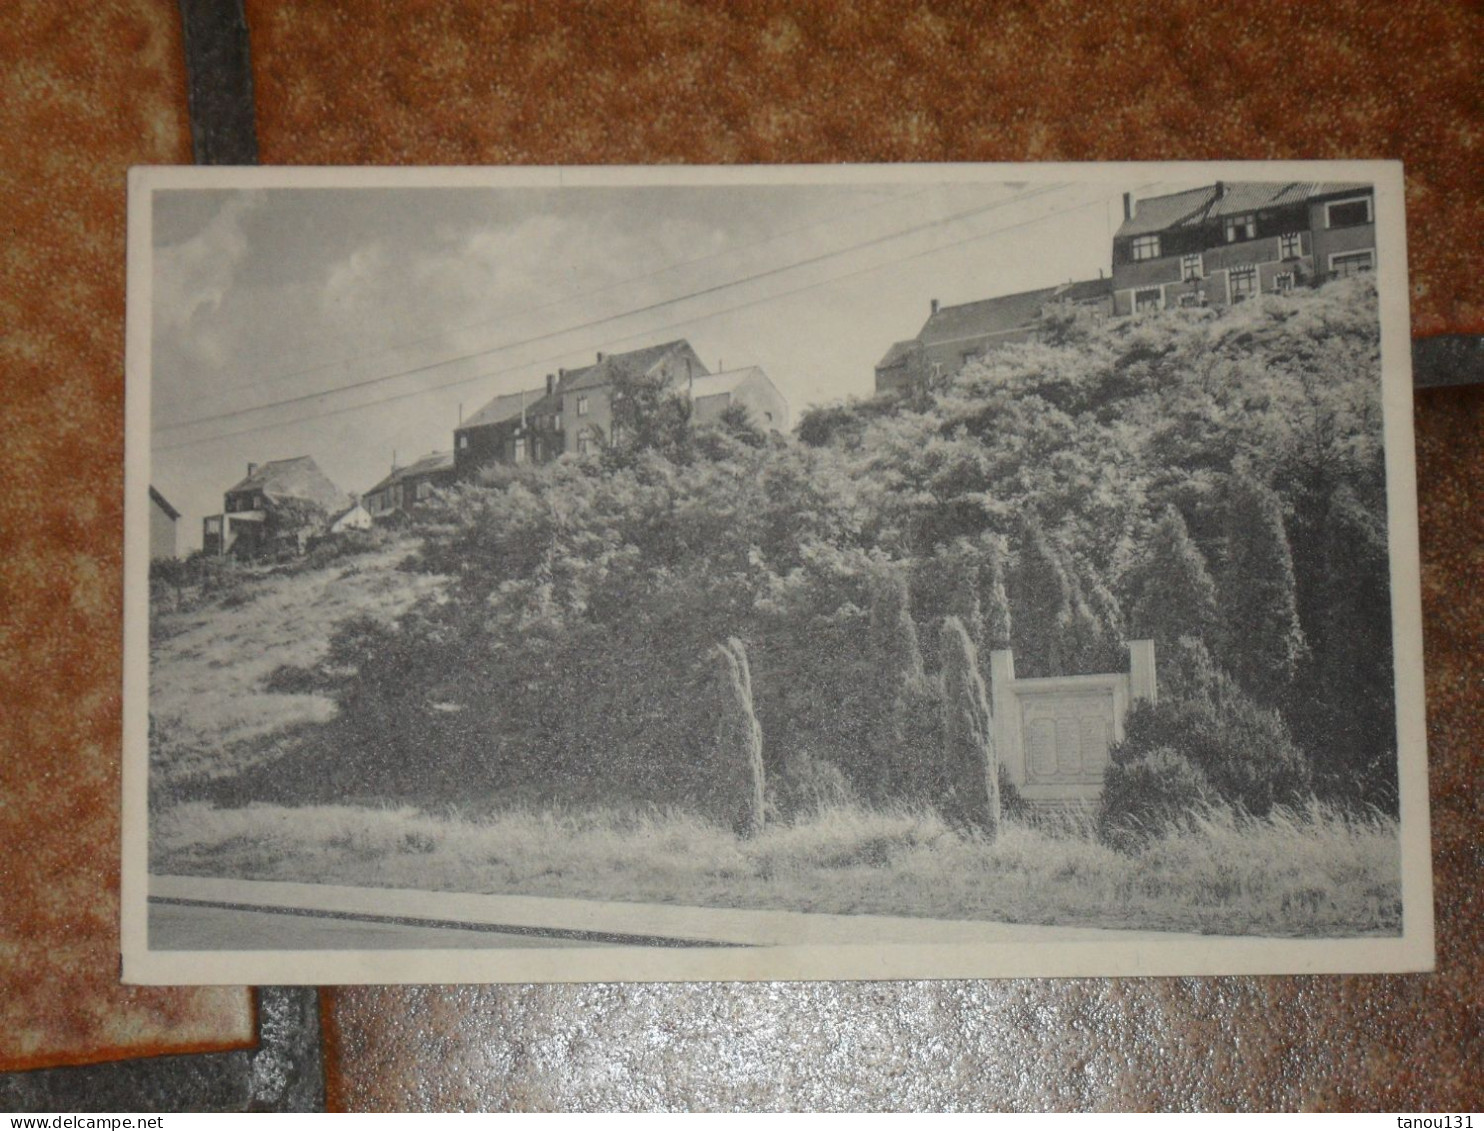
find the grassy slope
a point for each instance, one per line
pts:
(1311, 873)
(207, 664)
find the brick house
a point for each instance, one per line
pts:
(574, 412)
(278, 505)
(1222, 243)
(405, 487)
(954, 335)
(162, 519)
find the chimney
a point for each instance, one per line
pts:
(252, 469)
(550, 384)
(1220, 189)
(600, 357)
(561, 374)
(934, 304)
(1128, 206)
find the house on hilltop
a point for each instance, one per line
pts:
(954, 335)
(162, 519)
(513, 428)
(407, 486)
(712, 394)
(1223, 243)
(279, 504)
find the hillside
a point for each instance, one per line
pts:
(212, 654)
(539, 654)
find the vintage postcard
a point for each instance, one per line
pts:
(758, 573)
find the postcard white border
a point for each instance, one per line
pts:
(1413, 950)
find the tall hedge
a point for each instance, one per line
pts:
(1264, 639)
(971, 779)
(1173, 593)
(738, 780)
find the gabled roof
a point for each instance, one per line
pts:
(714, 384)
(163, 503)
(1211, 202)
(898, 353)
(507, 406)
(338, 515)
(430, 464)
(297, 478)
(986, 316)
(1088, 290)
(634, 363)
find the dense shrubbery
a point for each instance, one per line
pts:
(1156, 470)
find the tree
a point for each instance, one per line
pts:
(648, 414)
(736, 421)
(965, 587)
(971, 774)
(995, 603)
(1042, 594)
(1264, 640)
(739, 743)
(1347, 714)
(902, 705)
(1174, 595)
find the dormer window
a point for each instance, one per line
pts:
(1144, 247)
(1241, 227)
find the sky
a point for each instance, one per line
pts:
(356, 325)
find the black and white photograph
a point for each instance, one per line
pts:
(756, 573)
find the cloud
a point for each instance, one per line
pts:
(195, 276)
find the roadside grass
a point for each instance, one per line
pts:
(1311, 872)
(210, 711)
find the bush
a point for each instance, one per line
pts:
(1145, 793)
(1242, 750)
(291, 679)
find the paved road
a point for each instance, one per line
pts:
(205, 913)
(201, 927)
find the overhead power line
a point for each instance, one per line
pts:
(526, 365)
(577, 296)
(809, 261)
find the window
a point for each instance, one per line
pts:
(463, 440)
(518, 450)
(1290, 245)
(1352, 262)
(424, 489)
(1193, 298)
(1283, 282)
(1144, 247)
(1347, 213)
(1243, 283)
(584, 445)
(1242, 227)
(581, 406)
(1191, 267)
(1146, 300)
(556, 422)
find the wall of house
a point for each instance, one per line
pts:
(1335, 241)
(161, 532)
(763, 400)
(1137, 276)
(948, 357)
